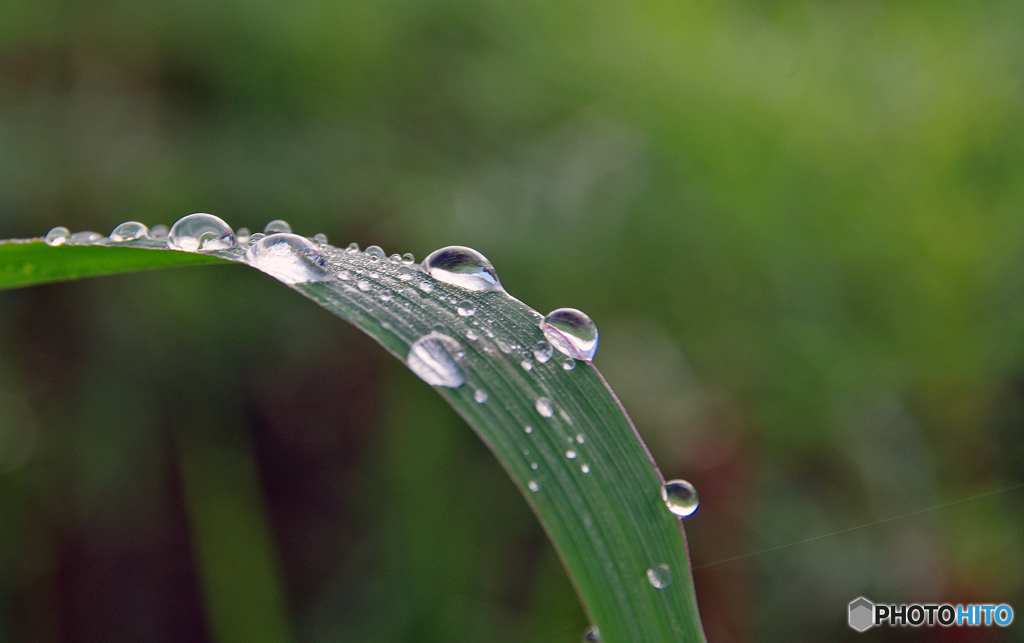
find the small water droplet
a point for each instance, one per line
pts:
(542, 352)
(83, 238)
(375, 253)
(471, 335)
(256, 236)
(129, 231)
(502, 346)
(201, 231)
(433, 358)
(242, 236)
(408, 258)
(466, 308)
(569, 364)
(426, 286)
(565, 416)
(659, 576)
(571, 454)
(320, 238)
(159, 231)
(395, 258)
(534, 465)
(528, 429)
(364, 285)
(580, 438)
(462, 267)
(345, 275)
(544, 407)
(585, 468)
(386, 295)
(571, 332)
(57, 236)
(480, 396)
(591, 636)
(526, 364)
(533, 485)
(288, 257)
(352, 247)
(680, 497)
(277, 225)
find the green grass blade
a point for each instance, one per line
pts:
(29, 262)
(582, 467)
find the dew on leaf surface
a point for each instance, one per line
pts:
(434, 358)
(659, 576)
(277, 225)
(462, 267)
(289, 258)
(544, 407)
(201, 231)
(680, 497)
(571, 332)
(542, 352)
(57, 236)
(129, 231)
(480, 396)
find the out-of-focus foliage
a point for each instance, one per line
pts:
(797, 225)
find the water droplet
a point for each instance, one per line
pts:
(569, 364)
(480, 396)
(571, 454)
(375, 253)
(471, 335)
(543, 352)
(580, 438)
(534, 465)
(533, 485)
(352, 247)
(345, 275)
(659, 576)
(426, 286)
(57, 236)
(466, 308)
(256, 236)
(565, 416)
(201, 231)
(242, 235)
(433, 358)
(462, 267)
(585, 468)
(408, 258)
(159, 231)
(571, 332)
(364, 285)
(277, 225)
(502, 346)
(544, 407)
(591, 636)
(129, 231)
(526, 364)
(386, 295)
(405, 273)
(288, 257)
(528, 429)
(395, 258)
(83, 238)
(680, 497)
(320, 238)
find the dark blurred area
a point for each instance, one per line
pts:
(798, 226)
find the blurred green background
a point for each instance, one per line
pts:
(798, 226)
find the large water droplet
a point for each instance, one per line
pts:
(57, 236)
(659, 576)
(571, 332)
(200, 231)
(434, 358)
(129, 231)
(680, 497)
(288, 257)
(462, 267)
(544, 407)
(277, 225)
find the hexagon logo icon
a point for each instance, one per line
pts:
(862, 612)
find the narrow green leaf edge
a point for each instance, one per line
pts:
(609, 525)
